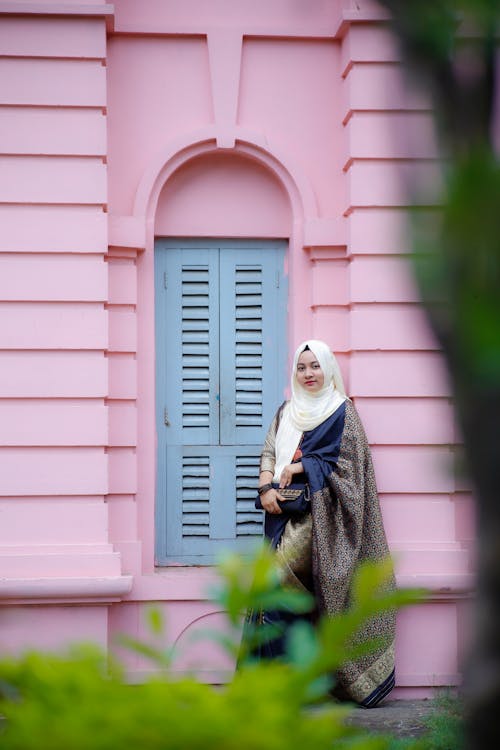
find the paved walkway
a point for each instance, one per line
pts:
(402, 718)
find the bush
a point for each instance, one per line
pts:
(81, 700)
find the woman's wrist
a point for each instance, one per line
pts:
(265, 476)
(263, 488)
(265, 479)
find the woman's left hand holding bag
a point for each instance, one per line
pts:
(269, 498)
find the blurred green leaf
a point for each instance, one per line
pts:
(302, 645)
(155, 621)
(253, 583)
(161, 657)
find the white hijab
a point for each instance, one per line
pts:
(306, 410)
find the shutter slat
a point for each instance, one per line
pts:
(195, 273)
(246, 470)
(197, 303)
(197, 461)
(193, 519)
(249, 530)
(244, 300)
(248, 348)
(198, 338)
(196, 373)
(196, 326)
(192, 506)
(250, 324)
(196, 531)
(248, 276)
(253, 390)
(248, 360)
(244, 397)
(249, 409)
(194, 313)
(193, 397)
(248, 506)
(244, 518)
(246, 473)
(198, 289)
(250, 373)
(244, 462)
(250, 337)
(195, 348)
(189, 361)
(190, 384)
(194, 408)
(190, 482)
(248, 313)
(247, 287)
(196, 421)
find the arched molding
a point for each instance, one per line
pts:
(248, 145)
(192, 624)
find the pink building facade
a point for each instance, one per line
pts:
(193, 125)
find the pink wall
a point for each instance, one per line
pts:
(175, 119)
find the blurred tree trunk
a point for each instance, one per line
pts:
(449, 47)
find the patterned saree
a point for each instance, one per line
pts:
(320, 550)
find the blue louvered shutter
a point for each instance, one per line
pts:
(252, 332)
(220, 365)
(187, 308)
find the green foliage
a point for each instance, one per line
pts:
(252, 585)
(450, 46)
(458, 267)
(445, 724)
(81, 700)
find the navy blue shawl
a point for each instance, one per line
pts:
(320, 451)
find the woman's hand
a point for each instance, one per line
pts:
(269, 501)
(286, 477)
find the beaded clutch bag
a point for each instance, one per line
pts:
(297, 498)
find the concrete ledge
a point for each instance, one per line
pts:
(55, 590)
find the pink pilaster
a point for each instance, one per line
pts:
(55, 466)
(397, 378)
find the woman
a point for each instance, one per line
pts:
(317, 438)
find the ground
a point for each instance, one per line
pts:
(403, 718)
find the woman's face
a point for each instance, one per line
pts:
(309, 373)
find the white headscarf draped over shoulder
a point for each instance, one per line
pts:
(307, 410)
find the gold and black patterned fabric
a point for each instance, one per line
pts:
(345, 528)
